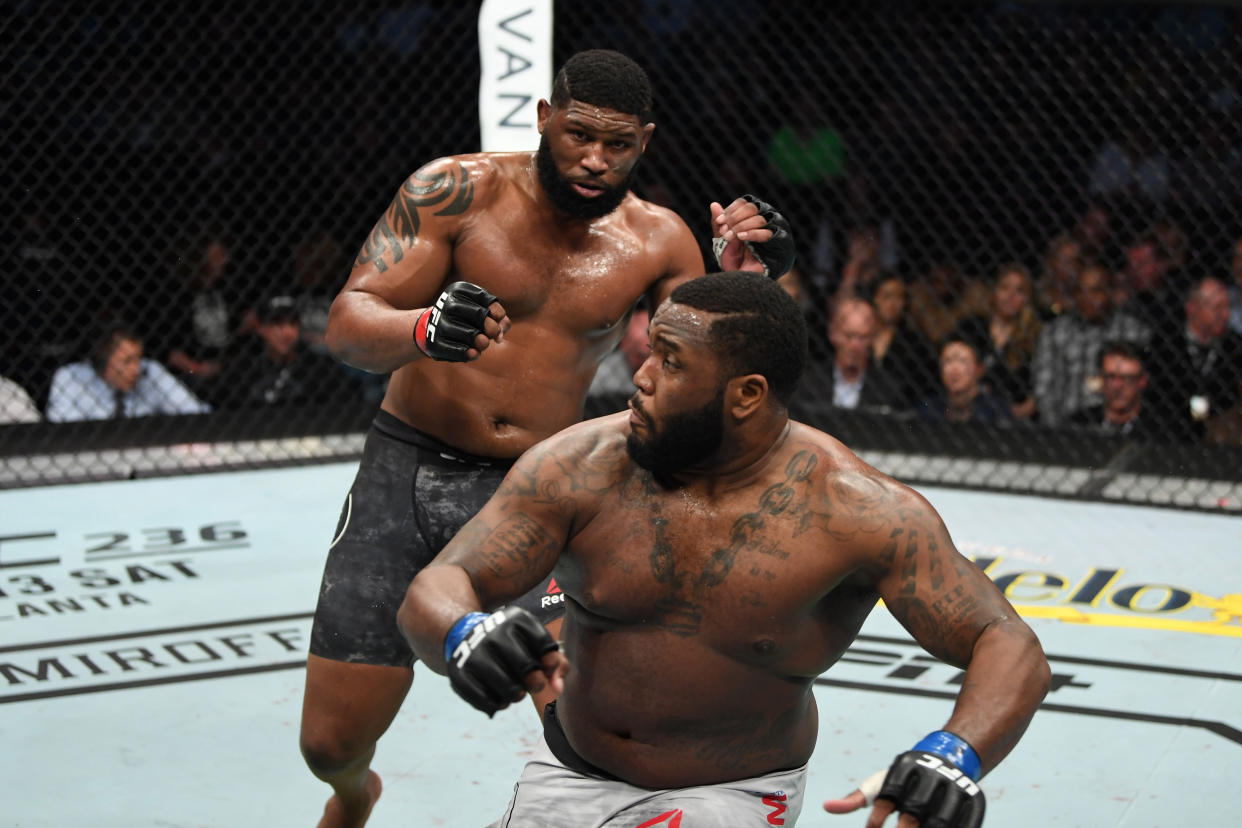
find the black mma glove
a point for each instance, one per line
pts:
(777, 253)
(447, 329)
(935, 782)
(489, 656)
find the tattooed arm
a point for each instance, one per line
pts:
(401, 267)
(509, 547)
(957, 614)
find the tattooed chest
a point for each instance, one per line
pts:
(683, 584)
(691, 571)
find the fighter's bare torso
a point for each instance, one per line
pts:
(738, 597)
(567, 286)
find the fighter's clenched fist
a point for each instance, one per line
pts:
(456, 327)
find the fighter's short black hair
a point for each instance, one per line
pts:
(761, 331)
(604, 78)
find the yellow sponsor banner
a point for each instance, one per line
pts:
(1069, 615)
(1226, 617)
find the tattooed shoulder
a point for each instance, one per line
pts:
(869, 501)
(581, 460)
(445, 187)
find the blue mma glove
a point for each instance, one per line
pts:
(489, 656)
(935, 782)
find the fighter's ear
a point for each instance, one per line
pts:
(745, 395)
(645, 136)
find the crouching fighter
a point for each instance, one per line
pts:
(716, 557)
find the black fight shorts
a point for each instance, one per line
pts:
(410, 496)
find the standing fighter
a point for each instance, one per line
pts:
(552, 242)
(716, 557)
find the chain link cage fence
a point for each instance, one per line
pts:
(1037, 201)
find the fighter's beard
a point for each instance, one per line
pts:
(563, 196)
(683, 441)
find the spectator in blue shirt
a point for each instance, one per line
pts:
(117, 382)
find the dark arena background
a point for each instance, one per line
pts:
(173, 166)
(1040, 201)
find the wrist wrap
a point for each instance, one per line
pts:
(458, 632)
(955, 749)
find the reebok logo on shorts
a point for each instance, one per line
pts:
(669, 819)
(553, 596)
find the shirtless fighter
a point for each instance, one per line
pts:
(491, 288)
(716, 557)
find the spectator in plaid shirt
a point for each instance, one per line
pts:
(1065, 370)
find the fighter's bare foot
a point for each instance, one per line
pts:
(336, 815)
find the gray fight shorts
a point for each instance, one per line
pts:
(410, 496)
(558, 789)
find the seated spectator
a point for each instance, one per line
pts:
(863, 266)
(320, 267)
(1065, 369)
(116, 381)
(201, 309)
(1063, 262)
(1094, 232)
(1151, 283)
(15, 404)
(1174, 249)
(1122, 412)
(847, 378)
(615, 374)
(319, 270)
(1196, 366)
(898, 349)
(944, 297)
(1006, 336)
(42, 314)
(961, 398)
(272, 365)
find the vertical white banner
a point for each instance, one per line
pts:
(515, 55)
